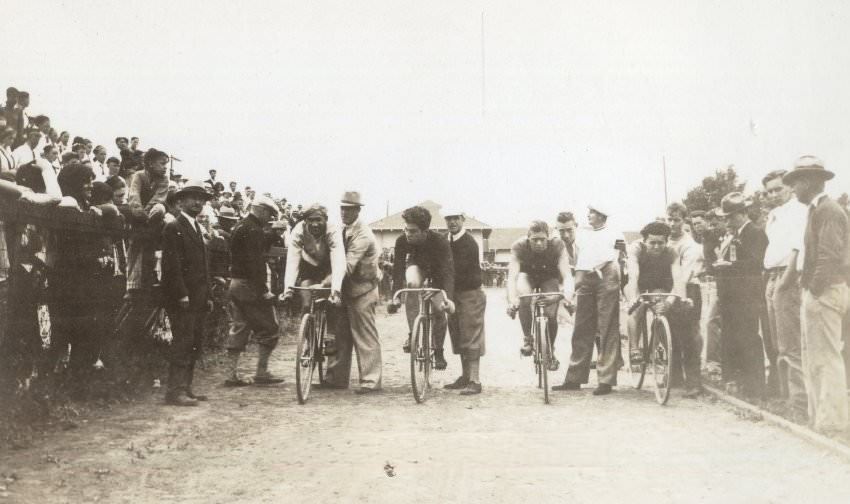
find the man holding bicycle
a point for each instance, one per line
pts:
(538, 262)
(656, 267)
(422, 255)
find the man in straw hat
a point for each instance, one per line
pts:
(740, 292)
(466, 324)
(185, 287)
(825, 273)
(597, 284)
(356, 327)
(251, 301)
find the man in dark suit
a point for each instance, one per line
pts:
(825, 273)
(185, 285)
(739, 291)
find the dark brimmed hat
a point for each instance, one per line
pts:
(807, 166)
(193, 187)
(734, 202)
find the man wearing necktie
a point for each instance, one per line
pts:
(740, 291)
(185, 287)
(355, 324)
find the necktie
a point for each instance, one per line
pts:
(198, 229)
(345, 238)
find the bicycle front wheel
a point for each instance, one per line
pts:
(660, 353)
(543, 355)
(638, 371)
(320, 346)
(305, 361)
(420, 358)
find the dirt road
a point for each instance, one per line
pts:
(259, 445)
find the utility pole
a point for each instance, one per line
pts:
(664, 170)
(483, 75)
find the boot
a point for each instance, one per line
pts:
(263, 376)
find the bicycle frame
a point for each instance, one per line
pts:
(539, 328)
(421, 361)
(650, 340)
(312, 356)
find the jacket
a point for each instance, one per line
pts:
(184, 265)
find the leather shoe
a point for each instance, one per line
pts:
(471, 389)
(180, 399)
(603, 389)
(197, 397)
(331, 386)
(567, 386)
(366, 390)
(267, 379)
(457, 384)
(406, 345)
(439, 360)
(527, 349)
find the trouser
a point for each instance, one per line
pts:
(525, 285)
(687, 340)
(415, 280)
(356, 330)
(823, 364)
(742, 349)
(597, 315)
(712, 325)
(249, 313)
(783, 310)
(466, 324)
(187, 331)
(768, 339)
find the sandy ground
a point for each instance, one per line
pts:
(259, 445)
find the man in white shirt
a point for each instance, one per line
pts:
(101, 171)
(25, 153)
(597, 283)
(785, 226)
(48, 173)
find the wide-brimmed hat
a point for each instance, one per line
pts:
(193, 187)
(807, 165)
(265, 201)
(227, 212)
(350, 199)
(734, 202)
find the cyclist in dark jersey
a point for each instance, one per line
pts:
(537, 262)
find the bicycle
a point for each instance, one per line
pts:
(311, 340)
(542, 346)
(421, 344)
(655, 344)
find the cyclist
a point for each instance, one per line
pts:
(316, 256)
(422, 254)
(655, 266)
(538, 262)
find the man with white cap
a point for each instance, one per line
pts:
(251, 301)
(597, 283)
(356, 327)
(825, 274)
(466, 324)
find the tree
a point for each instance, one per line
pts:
(708, 194)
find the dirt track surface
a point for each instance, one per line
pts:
(259, 445)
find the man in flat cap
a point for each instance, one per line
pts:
(597, 285)
(825, 273)
(740, 292)
(185, 286)
(251, 301)
(466, 324)
(356, 321)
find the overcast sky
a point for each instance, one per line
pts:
(568, 102)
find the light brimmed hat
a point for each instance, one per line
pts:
(807, 165)
(226, 212)
(193, 187)
(599, 209)
(265, 201)
(350, 199)
(452, 212)
(734, 202)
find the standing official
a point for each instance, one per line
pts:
(356, 327)
(740, 292)
(185, 286)
(826, 269)
(251, 301)
(466, 324)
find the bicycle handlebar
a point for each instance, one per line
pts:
(650, 297)
(544, 294)
(312, 289)
(421, 290)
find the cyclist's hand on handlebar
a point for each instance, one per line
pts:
(335, 298)
(449, 305)
(393, 307)
(285, 296)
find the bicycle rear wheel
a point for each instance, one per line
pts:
(305, 359)
(420, 358)
(543, 351)
(660, 353)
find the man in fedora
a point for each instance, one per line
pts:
(739, 292)
(466, 324)
(825, 272)
(356, 321)
(185, 287)
(251, 301)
